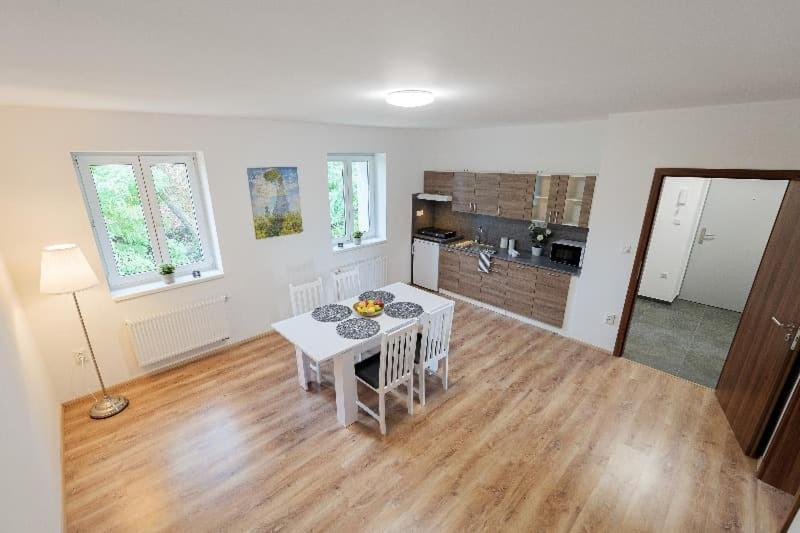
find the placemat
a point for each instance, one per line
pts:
(403, 310)
(358, 328)
(331, 313)
(386, 296)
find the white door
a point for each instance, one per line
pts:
(426, 264)
(734, 229)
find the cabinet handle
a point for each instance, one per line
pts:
(498, 210)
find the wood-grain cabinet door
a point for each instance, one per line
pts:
(516, 196)
(550, 297)
(464, 192)
(520, 288)
(448, 270)
(487, 193)
(469, 277)
(438, 182)
(493, 284)
(588, 198)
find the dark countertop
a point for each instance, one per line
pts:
(524, 258)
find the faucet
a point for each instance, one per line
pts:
(479, 235)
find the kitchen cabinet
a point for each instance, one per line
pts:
(515, 198)
(438, 182)
(554, 199)
(487, 193)
(493, 284)
(578, 196)
(448, 269)
(525, 290)
(562, 199)
(464, 192)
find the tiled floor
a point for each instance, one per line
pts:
(686, 339)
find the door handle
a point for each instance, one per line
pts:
(705, 236)
(792, 332)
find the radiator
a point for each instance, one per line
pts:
(371, 272)
(166, 335)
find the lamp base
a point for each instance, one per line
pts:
(108, 406)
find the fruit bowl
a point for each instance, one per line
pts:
(368, 308)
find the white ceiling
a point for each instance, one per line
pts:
(489, 62)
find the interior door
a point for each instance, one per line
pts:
(761, 357)
(730, 241)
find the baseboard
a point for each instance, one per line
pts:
(524, 320)
(118, 387)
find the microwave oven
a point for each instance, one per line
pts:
(568, 252)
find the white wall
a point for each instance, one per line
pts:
(671, 242)
(42, 199)
(761, 135)
(30, 446)
(40, 195)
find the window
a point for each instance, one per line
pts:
(146, 210)
(352, 196)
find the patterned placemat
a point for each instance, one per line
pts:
(331, 313)
(386, 296)
(358, 328)
(403, 310)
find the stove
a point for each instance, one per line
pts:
(439, 235)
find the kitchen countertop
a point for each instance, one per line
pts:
(523, 259)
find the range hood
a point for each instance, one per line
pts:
(435, 197)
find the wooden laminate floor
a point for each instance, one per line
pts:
(537, 432)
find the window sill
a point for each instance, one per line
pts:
(129, 293)
(365, 243)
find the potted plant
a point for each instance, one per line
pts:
(167, 271)
(357, 237)
(539, 236)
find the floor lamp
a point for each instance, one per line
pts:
(65, 270)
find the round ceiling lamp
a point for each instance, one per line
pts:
(409, 98)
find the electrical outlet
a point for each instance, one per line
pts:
(611, 319)
(81, 357)
(664, 275)
(626, 248)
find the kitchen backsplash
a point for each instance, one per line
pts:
(467, 224)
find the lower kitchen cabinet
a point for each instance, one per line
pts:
(529, 291)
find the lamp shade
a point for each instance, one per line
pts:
(65, 269)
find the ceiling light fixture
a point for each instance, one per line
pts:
(409, 98)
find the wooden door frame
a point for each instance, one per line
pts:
(649, 217)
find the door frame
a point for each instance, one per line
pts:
(649, 217)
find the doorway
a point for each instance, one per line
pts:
(708, 237)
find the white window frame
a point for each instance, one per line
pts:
(141, 163)
(348, 160)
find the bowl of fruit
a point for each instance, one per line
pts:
(368, 307)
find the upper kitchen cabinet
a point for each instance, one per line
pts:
(548, 198)
(578, 201)
(562, 199)
(516, 196)
(464, 192)
(438, 182)
(487, 194)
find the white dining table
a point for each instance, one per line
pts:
(318, 341)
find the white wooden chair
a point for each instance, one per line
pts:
(307, 297)
(387, 370)
(347, 284)
(433, 345)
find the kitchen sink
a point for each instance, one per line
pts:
(475, 247)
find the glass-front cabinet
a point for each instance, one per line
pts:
(543, 196)
(562, 199)
(573, 200)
